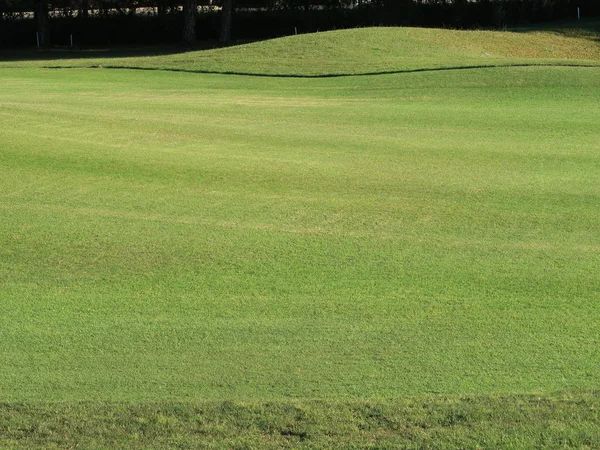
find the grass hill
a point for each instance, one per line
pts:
(376, 50)
(372, 50)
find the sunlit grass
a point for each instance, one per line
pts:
(181, 237)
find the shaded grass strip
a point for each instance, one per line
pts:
(327, 75)
(568, 419)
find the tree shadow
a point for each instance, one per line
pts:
(588, 29)
(114, 52)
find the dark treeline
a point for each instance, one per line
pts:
(126, 22)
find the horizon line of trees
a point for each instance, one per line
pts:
(159, 20)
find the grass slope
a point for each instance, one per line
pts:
(186, 239)
(374, 50)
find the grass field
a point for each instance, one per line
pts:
(405, 259)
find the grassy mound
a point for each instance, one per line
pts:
(373, 50)
(378, 50)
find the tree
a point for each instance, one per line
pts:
(40, 14)
(85, 8)
(189, 21)
(226, 13)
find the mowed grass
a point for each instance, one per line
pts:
(181, 237)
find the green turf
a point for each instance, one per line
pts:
(183, 237)
(430, 422)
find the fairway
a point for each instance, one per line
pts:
(200, 237)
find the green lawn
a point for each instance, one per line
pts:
(188, 239)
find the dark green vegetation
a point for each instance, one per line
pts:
(141, 22)
(507, 421)
(170, 241)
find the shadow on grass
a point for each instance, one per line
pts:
(330, 75)
(62, 53)
(588, 28)
(560, 420)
